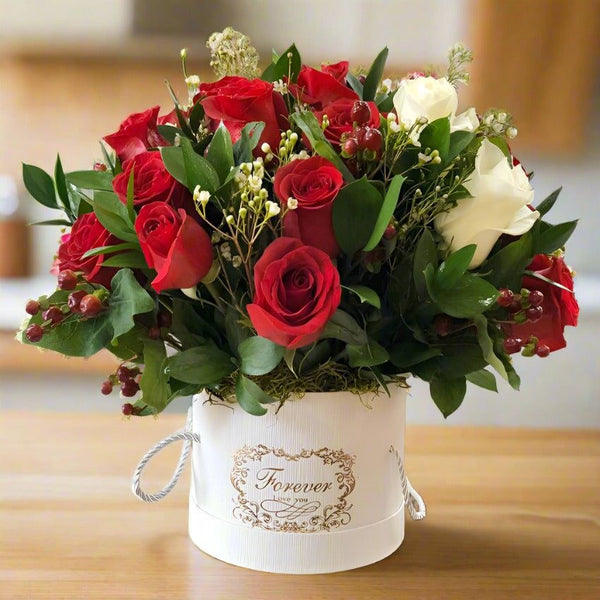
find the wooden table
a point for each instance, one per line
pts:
(511, 514)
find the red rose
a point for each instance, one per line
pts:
(314, 183)
(338, 70)
(151, 180)
(320, 89)
(238, 101)
(174, 245)
(560, 307)
(87, 233)
(340, 122)
(136, 134)
(297, 291)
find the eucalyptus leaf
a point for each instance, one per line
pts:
(153, 383)
(250, 396)
(454, 267)
(113, 214)
(259, 355)
(198, 170)
(131, 260)
(407, 354)
(242, 149)
(365, 294)
(343, 327)
(288, 65)
(487, 346)
(91, 180)
(386, 212)
(554, 237)
(220, 152)
(367, 355)
(425, 254)
(448, 394)
(484, 379)
(40, 185)
(374, 75)
(546, 205)
(202, 365)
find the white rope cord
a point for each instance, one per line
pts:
(412, 499)
(184, 435)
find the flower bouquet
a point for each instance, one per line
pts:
(297, 232)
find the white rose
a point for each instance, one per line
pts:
(433, 99)
(500, 195)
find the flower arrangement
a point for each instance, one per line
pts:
(304, 230)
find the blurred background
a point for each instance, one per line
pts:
(72, 70)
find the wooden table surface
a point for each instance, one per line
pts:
(511, 514)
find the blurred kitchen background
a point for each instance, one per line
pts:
(71, 70)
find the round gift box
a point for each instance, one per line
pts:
(309, 488)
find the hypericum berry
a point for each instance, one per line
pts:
(124, 373)
(443, 325)
(164, 319)
(129, 387)
(542, 350)
(506, 297)
(99, 166)
(33, 307)
(74, 300)
(534, 313)
(360, 112)
(359, 136)
(390, 232)
(350, 147)
(127, 409)
(154, 332)
(53, 314)
(373, 139)
(90, 305)
(512, 345)
(107, 387)
(515, 305)
(67, 280)
(34, 333)
(536, 298)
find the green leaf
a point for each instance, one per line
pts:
(60, 222)
(113, 214)
(355, 211)
(343, 327)
(61, 188)
(470, 296)
(170, 132)
(546, 204)
(374, 75)
(505, 267)
(425, 254)
(454, 267)
(312, 129)
(487, 346)
(288, 66)
(250, 396)
(172, 157)
(386, 213)
(202, 365)
(110, 249)
(131, 196)
(367, 355)
(459, 140)
(554, 237)
(127, 298)
(547, 280)
(407, 354)
(484, 379)
(40, 185)
(242, 149)
(220, 152)
(355, 84)
(259, 355)
(448, 394)
(198, 170)
(196, 116)
(129, 345)
(153, 383)
(437, 137)
(365, 294)
(131, 260)
(108, 159)
(91, 180)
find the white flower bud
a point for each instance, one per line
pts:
(183, 53)
(497, 127)
(230, 219)
(502, 117)
(437, 160)
(243, 211)
(215, 238)
(266, 148)
(292, 203)
(511, 132)
(236, 261)
(273, 209)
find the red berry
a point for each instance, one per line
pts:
(536, 298)
(390, 232)
(443, 325)
(542, 350)
(107, 387)
(515, 305)
(534, 313)
(154, 332)
(350, 147)
(373, 139)
(129, 387)
(124, 373)
(127, 409)
(32, 307)
(362, 79)
(34, 333)
(506, 297)
(512, 345)
(359, 136)
(74, 300)
(360, 112)
(67, 280)
(90, 305)
(53, 314)
(98, 166)
(164, 319)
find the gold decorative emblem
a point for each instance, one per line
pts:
(271, 496)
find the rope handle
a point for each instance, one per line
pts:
(412, 499)
(188, 439)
